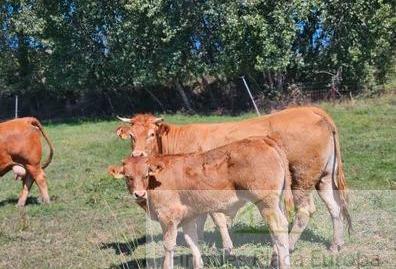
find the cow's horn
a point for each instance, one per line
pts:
(158, 120)
(124, 119)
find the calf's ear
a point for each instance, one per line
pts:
(117, 172)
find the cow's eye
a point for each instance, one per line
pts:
(151, 134)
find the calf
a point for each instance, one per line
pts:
(179, 188)
(21, 151)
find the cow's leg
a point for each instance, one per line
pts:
(5, 162)
(170, 235)
(221, 221)
(305, 207)
(39, 177)
(200, 221)
(278, 227)
(191, 237)
(330, 198)
(26, 185)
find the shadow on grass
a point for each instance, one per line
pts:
(14, 201)
(186, 261)
(129, 247)
(241, 235)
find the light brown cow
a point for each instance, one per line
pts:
(311, 142)
(21, 151)
(178, 188)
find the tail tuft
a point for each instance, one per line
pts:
(340, 183)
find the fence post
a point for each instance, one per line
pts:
(16, 106)
(251, 96)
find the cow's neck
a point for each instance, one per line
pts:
(178, 140)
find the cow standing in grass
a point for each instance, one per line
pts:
(311, 141)
(178, 188)
(21, 151)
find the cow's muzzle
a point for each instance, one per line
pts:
(140, 195)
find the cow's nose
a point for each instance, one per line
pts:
(138, 153)
(140, 194)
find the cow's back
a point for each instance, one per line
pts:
(304, 132)
(21, 139)
(216, 179)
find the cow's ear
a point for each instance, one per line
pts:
(155, 168)
(123, 132)
(117, 172)
(163, 129)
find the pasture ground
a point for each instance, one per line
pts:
(92, 223)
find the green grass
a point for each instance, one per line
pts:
(92, 222)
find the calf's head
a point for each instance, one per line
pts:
(145, 131)
(138, 175)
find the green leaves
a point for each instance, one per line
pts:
(75, 45)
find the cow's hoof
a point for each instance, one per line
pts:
(228, 252)
(274, 261)
(20, 205)
(44, 201)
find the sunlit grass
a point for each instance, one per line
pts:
(93, 223)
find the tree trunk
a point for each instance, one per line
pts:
(155, 98)
(270, 80)
(205, 85)
(184, 97)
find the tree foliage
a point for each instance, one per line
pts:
(71, 47)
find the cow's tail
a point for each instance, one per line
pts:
(287, 192)
(339, 180)
(37, 124)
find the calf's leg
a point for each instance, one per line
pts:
(170, 235)
(191, 237)
(221, 221)
(278, 227)
(27, 182)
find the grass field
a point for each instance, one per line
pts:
(92, 223)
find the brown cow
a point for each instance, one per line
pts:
(178, 188)
(311, 142)
(21, 151)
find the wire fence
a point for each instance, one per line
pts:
(127, 102)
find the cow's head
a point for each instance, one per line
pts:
(138, 174)
(145, 131)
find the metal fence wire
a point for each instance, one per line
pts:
(129, 101)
